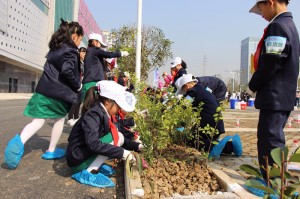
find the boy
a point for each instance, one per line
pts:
(187, 86)
(276, 64)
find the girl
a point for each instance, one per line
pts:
(94, 61)
(177, 69)
(95, 138)
(56, 91)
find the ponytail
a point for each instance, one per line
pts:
(183, 64)
(63, 34)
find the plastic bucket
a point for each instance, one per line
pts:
(251, 102)
(243, 106)
(232, 103)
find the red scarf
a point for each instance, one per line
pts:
(258, 50)
(114, 132)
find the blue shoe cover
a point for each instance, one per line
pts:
(13, 152)
(217, 149)
(237, 145)
(259, 192)
(95, 180)
(106, 170)
(56, 154)
(181, 129)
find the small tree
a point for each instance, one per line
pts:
(156, 49)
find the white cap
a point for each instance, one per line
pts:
(255, 9)
(97, 37)
(184, 79)
(112, 62)
(116, 92)
(176, 61)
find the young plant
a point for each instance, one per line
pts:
(279, 183)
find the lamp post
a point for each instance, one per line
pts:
(233, 73)
(139, 41)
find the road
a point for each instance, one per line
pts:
(35, 177)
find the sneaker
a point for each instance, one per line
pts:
(95, 180)
(14, 152)
(237, 145)
(56, 154)
(218, 148)
(71, 122)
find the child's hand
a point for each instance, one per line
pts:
(128, 155)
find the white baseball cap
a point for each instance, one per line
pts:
(116, 92)
(255, 9)
(184, 79)
(176, 61)
(97, 37)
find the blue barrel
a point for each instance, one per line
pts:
(232, 103)
(251, 102)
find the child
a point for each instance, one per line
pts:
(95, 138)
(56, 91)
(187, 86)
(94, 61)
(276, 64)
(178, 68)
(74, 111)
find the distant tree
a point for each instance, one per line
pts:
(156, 49)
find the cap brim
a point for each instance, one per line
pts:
(173, 65)
(103, 44)
(255, 10)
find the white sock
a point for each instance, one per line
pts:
(56, 133)
(100, 159)
(31, 128)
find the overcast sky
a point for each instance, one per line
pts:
(204, 32)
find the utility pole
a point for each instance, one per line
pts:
(233, 74)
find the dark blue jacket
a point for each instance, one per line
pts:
(216, 85)
(199, 94)
(275, 81)
(84, 140)
(94, 65)
(178, 75)
(61, 76)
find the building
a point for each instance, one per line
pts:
(248, 48)
(109, 37)
(26, 27)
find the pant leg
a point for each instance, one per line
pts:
(270, 134)
(71, 112)
(76, 110)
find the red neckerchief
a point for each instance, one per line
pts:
(258, 50)
(121, 114)
(114, 131)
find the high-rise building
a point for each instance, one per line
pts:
(26, 27)
(109, 37)
(248, 48)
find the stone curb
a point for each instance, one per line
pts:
(134, 189)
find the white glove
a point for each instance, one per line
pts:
(124, 53)
(128, 155)
(141, 147)
(80, 87)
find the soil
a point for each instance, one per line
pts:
(180, 170)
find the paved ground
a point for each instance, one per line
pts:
(37, 178)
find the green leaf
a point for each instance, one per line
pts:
(251, 170)
(295, 158)
(258, 185)
(289, 191)
(274, 172)
(276, 155)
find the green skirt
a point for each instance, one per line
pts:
(105, 139)
(40, 106)
(86, 87)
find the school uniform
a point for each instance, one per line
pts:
(199, 95)
(177, 76)
(58, 86)
(214, 85)
(91, 137)
(275, 83)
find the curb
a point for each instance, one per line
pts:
(134, 188)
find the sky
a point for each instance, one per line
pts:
(206, 34)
